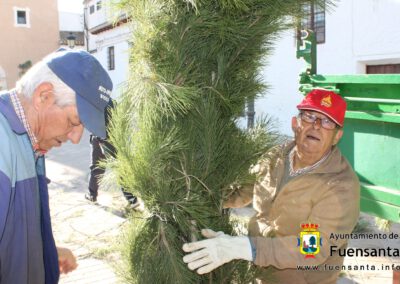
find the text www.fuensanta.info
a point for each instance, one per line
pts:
(366, 267)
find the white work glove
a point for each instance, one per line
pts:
(216, 250)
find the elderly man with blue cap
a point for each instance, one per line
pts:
(51, 104)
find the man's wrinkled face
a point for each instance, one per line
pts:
(59, 125)
(311, 137)
(55, 124)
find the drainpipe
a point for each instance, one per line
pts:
(85, 27)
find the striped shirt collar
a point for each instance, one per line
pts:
(21, 115)
(307, 169)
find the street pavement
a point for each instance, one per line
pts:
(91, 231)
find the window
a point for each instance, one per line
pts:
(383, 69)
(98, 5)
(111, 58)
(315, 20)
(21, 17)
(91, 9)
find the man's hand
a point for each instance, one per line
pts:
(66, 260)
(218, 249)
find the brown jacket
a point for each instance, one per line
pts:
(328, 196)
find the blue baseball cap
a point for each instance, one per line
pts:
(84, 74)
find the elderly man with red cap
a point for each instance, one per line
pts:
(305, 191)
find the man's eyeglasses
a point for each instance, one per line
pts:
(312, 118)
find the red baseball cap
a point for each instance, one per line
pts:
(326, 102)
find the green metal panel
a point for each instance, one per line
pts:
(380, 209)
(371, 140)
(373, 149)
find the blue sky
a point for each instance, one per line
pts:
(75, 6)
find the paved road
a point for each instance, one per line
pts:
(89, 230)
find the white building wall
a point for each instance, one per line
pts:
(336, 55)
(377, 31)
(358, 33)
(98, 16)
(99, 42)
(119, 38)
(91, 41)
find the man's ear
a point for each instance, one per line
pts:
(338, 136)
(294, 123)
(43, 95)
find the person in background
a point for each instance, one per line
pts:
(307, 181)
(100, 147)
(52, 103)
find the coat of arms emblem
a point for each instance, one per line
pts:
(309, 240)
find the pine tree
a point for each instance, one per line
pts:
(193, 66)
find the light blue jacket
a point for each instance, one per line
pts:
(27, 248)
